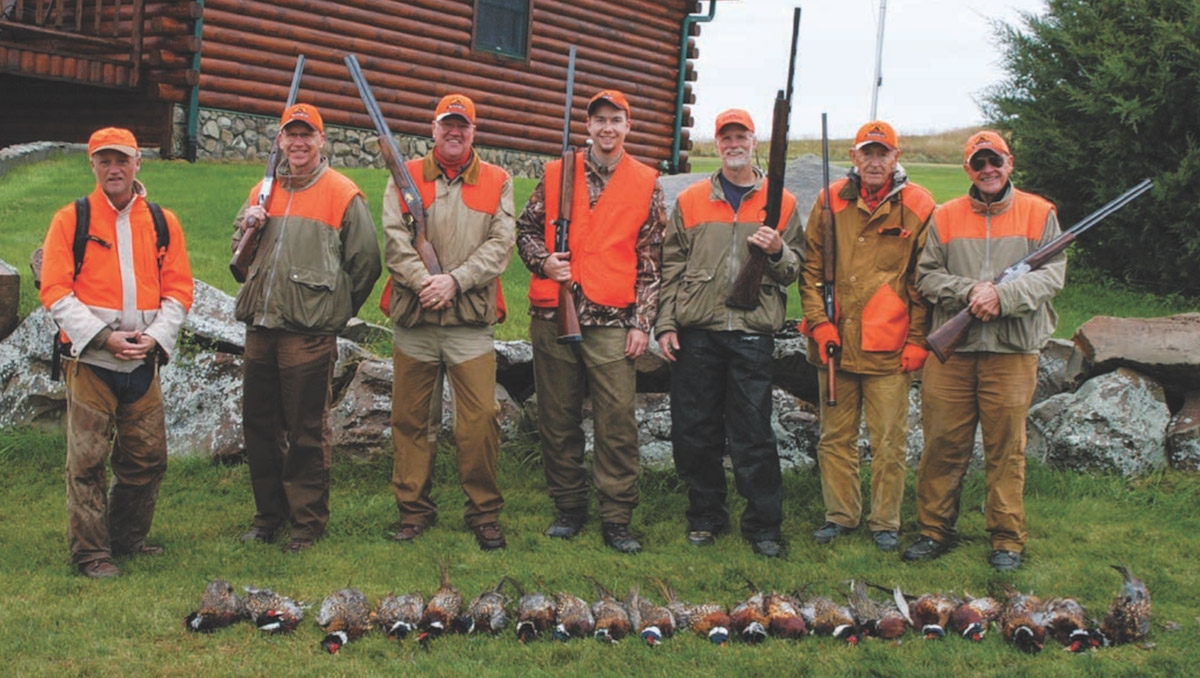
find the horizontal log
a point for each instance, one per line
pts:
(161, 58)
(656, 64)
(181, 78)
(620, 36)
(168, 92)
(183, 44)
(403, 18)
(667, 15)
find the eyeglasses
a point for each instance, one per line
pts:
(979, 161)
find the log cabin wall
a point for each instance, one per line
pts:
(415, 51)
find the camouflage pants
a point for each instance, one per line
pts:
(102, 520)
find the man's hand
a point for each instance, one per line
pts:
(254, 217)
(438, 292)
(669, 343)
(767, 239)
(557, 267)
(130, 345)
(984, 301)
(826, 334)
(912, 358)
(636, 342)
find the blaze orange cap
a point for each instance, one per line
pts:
(986, 140)
(734, 116)
(113, 138)
(455, 104)
(876, 132)
(610, 96)
(305, 113)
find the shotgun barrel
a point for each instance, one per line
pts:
(829, 270)
(567, 313)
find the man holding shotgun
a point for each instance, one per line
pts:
(879, 220)
(445, 319)
(991, 378)
(615, 250)
(721, 379)
(316, 263)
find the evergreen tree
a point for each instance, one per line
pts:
(1099, 95)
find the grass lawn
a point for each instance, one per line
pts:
(58, 623)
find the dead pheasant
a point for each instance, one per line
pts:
(972, 617)
(1019, 621)
(219, 607)
(441, 610)
(783, 617)
(612, 619)
(272, 612)
(826, 618)
(486, 612)
(930, 614)
(345, 616)
(707, 620)
(1067, 622)
(749, 617)
(574, 617)
(1128, 617)
(398, 616)
(652, 622)
(535, 614)
(886, 620)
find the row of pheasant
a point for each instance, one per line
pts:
(1024, 620)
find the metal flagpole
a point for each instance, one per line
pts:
(878, 62)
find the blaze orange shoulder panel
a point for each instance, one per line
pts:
(836, 203)
(325, 201)
(698, 207)
(918, 200)
(1025, 218)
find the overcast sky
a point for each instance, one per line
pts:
(938, 57)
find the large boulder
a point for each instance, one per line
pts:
(1167, 349)
(27, 394)
(1114, 423)
(10, 298)
(1183, 435)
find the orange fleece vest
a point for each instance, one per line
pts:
(1025, 218)
(698, 207)
(603, 239)
(325, 201)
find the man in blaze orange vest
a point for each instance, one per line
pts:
(445, 321)
(121, 311)
(991, 377)
(880, 219)
(721, 381)
(615, 249)
(316, 263)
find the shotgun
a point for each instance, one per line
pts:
(567, 314)
(829, 264)
(747, 287)
(247, 247)
(945, 339)
(410, 197)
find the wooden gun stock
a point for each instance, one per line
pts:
(567, 314)
(247, 247)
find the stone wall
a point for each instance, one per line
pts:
(224, 135)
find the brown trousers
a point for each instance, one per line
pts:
(563, 375)
(882, 401)
(993, 390)
(287, 387)
(470, 365)
(106, 520)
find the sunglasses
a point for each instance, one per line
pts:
(980, 161)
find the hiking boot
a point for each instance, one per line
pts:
(1004, 561)
(830, 531)
(298, 545)
(489, 536)
(886, 540)
(99, 569)
(618, 536)
(925, 548)
(566, 524)
(260, 534)
(770, 548)
(408, 532)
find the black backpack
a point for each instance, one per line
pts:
(83, 221)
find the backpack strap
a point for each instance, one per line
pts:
(83, 219)
(162, 235)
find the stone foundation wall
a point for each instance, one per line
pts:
(224, 135)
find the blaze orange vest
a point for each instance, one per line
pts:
(1026, 218)
(697, 206)
(325, 201)
(603, 239)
